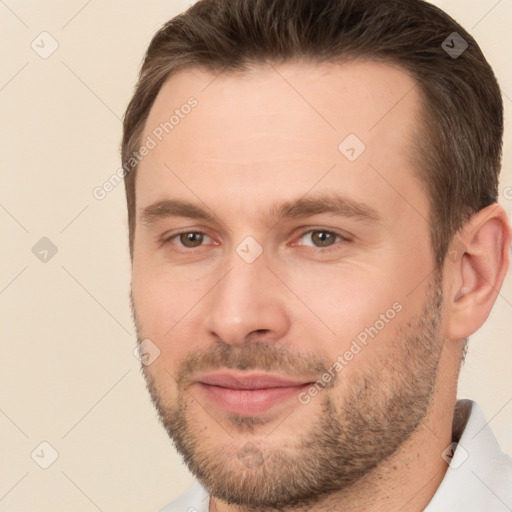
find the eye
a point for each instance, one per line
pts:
(189, 239)
(320, 238)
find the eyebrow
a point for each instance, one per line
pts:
(334, 204)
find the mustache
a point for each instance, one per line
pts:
(257, 355)
(261, 356)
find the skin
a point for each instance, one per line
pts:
(271, 135)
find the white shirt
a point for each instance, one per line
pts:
(479, 478)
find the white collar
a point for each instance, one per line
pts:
(479, 478)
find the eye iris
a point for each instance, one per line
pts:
(322, 238)
(191, 239)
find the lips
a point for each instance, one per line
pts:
(248, 381)
(249, 394)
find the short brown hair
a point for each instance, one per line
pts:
(459, 154)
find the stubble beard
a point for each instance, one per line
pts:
(350, 436)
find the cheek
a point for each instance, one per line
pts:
(160, 301)
(346, 300)
(165, 302)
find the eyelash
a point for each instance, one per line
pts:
(342, 238)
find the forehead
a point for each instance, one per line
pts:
(362, 97)
(275, 128)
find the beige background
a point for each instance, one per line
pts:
(69, 376)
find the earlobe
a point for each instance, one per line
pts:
(475, 278)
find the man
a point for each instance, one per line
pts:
(314, 231)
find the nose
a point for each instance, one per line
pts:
(248, 304)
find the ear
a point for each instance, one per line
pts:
(475, 268)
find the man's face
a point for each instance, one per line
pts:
(312, 264)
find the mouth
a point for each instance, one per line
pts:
(249, 394)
